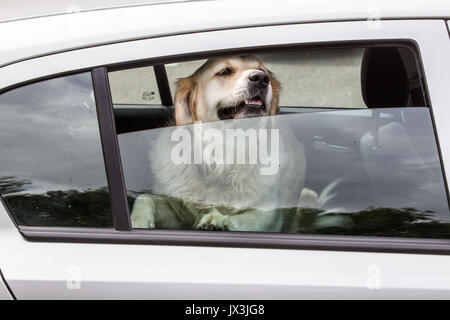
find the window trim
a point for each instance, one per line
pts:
(123, 232)
(239, 240)
(110, 147)
(163, 84)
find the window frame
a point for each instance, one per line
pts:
(125, 234)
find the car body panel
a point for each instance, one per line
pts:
(52, 270)
(4, 292)
(39, 36)
(18, 11)
(6, 227)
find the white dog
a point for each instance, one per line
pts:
(213, 194)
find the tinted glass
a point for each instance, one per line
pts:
(51, 163)
(359, 172)
(334, 141)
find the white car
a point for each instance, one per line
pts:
(85, 89)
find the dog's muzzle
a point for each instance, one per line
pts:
(259, 79)
(255, 106)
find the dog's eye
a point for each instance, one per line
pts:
(224, 72)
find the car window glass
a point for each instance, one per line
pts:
(51, 164)
(226, 162)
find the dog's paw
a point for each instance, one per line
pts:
(213, 221)
(142, 215)
(308, 199)
(137, 223)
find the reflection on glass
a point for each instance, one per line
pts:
(359, 172)
(51, 163)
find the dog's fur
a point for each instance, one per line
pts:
(225, 196)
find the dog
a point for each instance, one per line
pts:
(215, 195)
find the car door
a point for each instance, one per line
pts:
(76, 240)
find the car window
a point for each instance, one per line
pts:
(233, 157)
(51, 164)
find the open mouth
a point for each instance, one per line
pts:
(246, 108)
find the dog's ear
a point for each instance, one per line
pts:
(276, 87)
(186, 101)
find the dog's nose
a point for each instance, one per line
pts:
(259, 79)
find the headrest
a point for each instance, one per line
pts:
(384, 80)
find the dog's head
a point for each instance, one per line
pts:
(226, 88)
